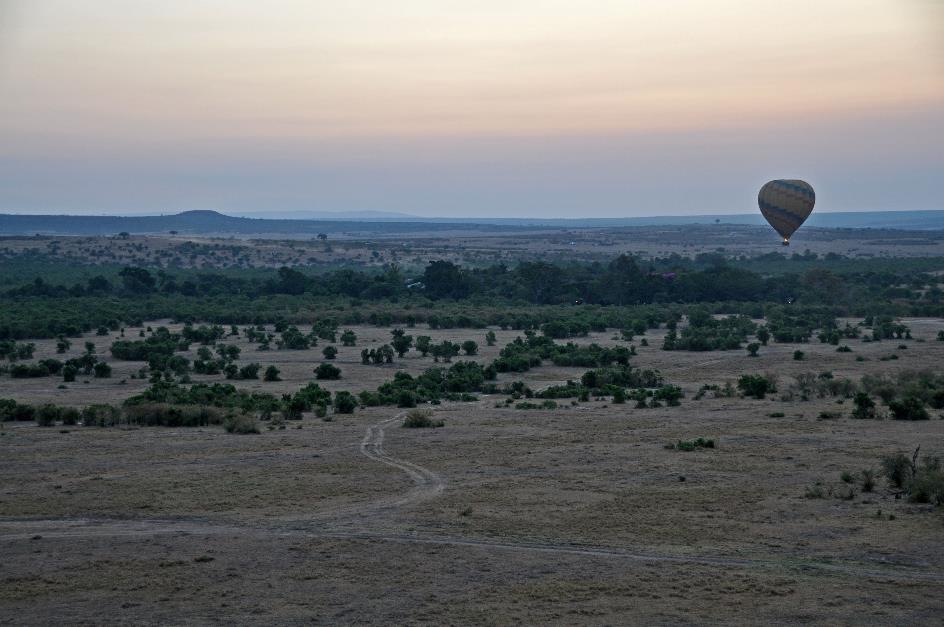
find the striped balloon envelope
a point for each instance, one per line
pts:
(786, 204)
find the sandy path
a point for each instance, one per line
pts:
(428, 484)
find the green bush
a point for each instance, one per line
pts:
(344, 402)
(101, 415)
(406, 398)
(271, 374)
(47, 415)
(102, 370)
(349, 338)
(755, 385)
(69, 416)
(420, 419)
(691, 445)
(249, 371)
(327, 371)
(164, 415)
(909, 408)
(864, 406)
(670, 394)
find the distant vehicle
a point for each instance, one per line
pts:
(786, 204)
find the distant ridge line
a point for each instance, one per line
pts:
(208, 221)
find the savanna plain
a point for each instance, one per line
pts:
(596, 441)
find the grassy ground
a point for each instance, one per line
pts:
(573, 515)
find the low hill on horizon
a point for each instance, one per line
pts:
(213, 222)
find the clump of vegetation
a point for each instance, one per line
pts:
(348, 338)
(864, 406)
(344, 402)
(101, 415)
(421, 419)
(817, 491)
(868, 480)
(47, 415)
(706, 333)
(547, 404)
(822, 385)
(271, 374)
(756, 385)
(377, 356)
(908, 408)
(240, 423)
(691, 445)
(165, 415)
(923, 483)
(326, 371)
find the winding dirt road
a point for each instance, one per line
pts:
(428, 484)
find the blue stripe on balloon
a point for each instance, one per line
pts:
(782, 213)
(800, 189)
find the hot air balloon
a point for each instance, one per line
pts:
(786, 204)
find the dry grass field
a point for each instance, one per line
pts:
(573, 515)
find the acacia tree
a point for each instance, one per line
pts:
(385, 354)
(445, 350)
(349, 338)
(763, 334)
(423, 344)
(401, 342)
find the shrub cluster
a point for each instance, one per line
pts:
(419, 419)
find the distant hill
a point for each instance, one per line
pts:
(206, 222)
(212, 222)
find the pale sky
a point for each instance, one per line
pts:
(517, 108)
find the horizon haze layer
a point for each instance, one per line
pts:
(533, 109)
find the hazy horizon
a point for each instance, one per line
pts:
(533, 109)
